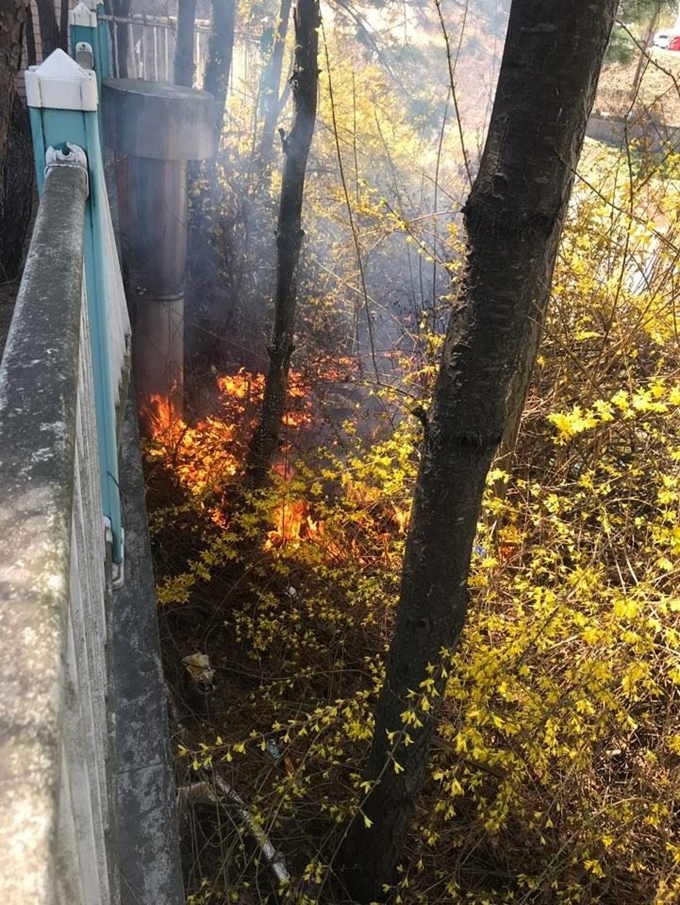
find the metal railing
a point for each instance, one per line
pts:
(150, 47)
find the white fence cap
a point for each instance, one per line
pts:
(61, 84)
(83, 15)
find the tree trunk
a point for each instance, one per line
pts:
(271, 83)
(63, 24)
(16, 203)
(220, 52)
(12, 20)
(514, 217)
(31, 54)
(50, 34)
(643, 52)
(289, 234)
(121, 10)
(184, 43)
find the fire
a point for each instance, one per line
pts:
(211, 453)
(293, 523)
(208, 456)
(242, 385)
(158, 415)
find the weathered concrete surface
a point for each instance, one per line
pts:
(147, 820)
(621, 131)
(59, 766)
(8, 295)
(38, 393)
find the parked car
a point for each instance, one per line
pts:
(662, 39)
(674, 43)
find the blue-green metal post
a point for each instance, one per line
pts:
(87, 26)
(63, 101)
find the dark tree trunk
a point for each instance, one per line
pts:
(31, 54)
(50, 35)
(16, 204)
(63, 24)
(184, 43)
(204, 178)
(121, 10)
(12, 21)
(271, 83)
(514, 217)
(289, 234)
(220, 52)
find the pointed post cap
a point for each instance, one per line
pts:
(83, 15)
(61, 84)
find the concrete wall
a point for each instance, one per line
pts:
(149, 854)
(56, 814)
(618, 131)
(87, 803)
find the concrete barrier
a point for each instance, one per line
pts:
(55, 801)
(620, 131)
(83, 727)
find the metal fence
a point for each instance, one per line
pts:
(149, 43)
(143, 47)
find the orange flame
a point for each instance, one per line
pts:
(209, 455)
(158, 415)
(213, 451)
(293, 523)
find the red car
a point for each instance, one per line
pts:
(674, 43)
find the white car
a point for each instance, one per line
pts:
(663, 38)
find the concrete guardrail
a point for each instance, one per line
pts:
(87, 810)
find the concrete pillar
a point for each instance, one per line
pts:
(156, 128)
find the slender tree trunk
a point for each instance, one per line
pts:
(643, 52)
(220, 53)
(514, 217)
(289, 234)
(204, 175)
(31, 54)
(271, 83)
(16, 203)
(16, 153)
(121, 10)
(184, 43)
(12, 21)
(50, 35)
(63, 24)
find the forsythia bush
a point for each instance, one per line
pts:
(555, 771)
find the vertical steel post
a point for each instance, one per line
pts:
(86, 27)
(63, 102)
